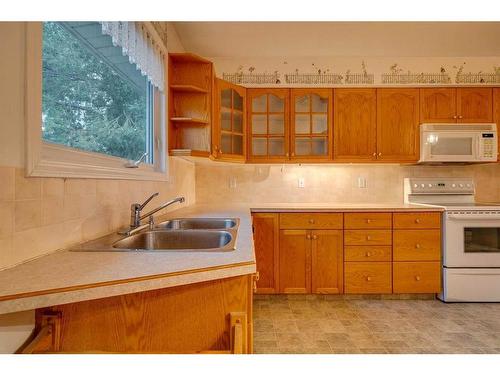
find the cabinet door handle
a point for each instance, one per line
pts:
(379, 154)
(287, 154)
(374, 154)
(460, 116)
(315, 237)
(308, 236)
(417, 246)
(455, 116)
(293, 153)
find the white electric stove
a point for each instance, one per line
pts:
(470, 238)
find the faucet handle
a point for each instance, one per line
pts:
(141, 206)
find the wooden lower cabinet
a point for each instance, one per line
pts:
(295, 261)
(368, 277)
(417, 277)
(311, 261)
(266, 243)
(213, 316)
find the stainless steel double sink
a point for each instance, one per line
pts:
(184, 235)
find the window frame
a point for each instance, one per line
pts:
(45, 159)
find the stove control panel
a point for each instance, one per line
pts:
(432, 185)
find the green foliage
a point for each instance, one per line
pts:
(85, 103)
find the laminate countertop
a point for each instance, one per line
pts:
(66, 276)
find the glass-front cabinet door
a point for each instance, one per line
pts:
(229, 132)
(311, 124)
(268, 124)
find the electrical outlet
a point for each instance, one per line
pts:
(300, 182)
(361, 182)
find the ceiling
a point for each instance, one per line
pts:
(305, 39)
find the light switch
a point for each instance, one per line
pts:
(361, 182)
(301, 183)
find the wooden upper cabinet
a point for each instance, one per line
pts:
(496, 110)
(398, 125)
(266, 239)
(438, 105)
(311, 124)
(268, 124)
(229, 130)
(355, 124)
(475, 104)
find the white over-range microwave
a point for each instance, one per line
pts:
(458, 143)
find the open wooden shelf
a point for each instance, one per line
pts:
(188, 88)
(189, 120)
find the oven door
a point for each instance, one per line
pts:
(472, 239)
(450, 147)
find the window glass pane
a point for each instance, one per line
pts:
(319, 146)
(482, 240)
(302, 125)
(302, 103)
(238, 101)
(238, 122)
(259, 103)
(320, 124)
(276, 104)
(319, 104)
(259, 146)
(238, 144)
(259, 124)
(276, 146)
(93, 98)
(302, 146)
(225, 98)
(225, 120)
(226, 143)
(276, 124)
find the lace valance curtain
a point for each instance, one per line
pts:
(140, 49)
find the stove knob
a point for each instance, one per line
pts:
(430, 185)
(453, 185)
(468, 185)
(422, 185)
(461, 185)
(415, 185)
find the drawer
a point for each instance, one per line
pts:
(417, 244)
(311, 221)
(367, 277)
(417, 277)
(367, 237)
(367, 253)
(368, 220)
(416, 220)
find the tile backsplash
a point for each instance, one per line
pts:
(328, 183)
(40, 215)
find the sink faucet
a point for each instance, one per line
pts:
(136, 209)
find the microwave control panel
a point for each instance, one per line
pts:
(489, 146)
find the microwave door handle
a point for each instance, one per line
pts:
(478, 148)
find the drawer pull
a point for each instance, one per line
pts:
(308, 236)
(417, 278)
(368, 238)
(417, 246)
(311, 221)
(315, 237)
(417, 221)
(368, 221)
(368, 278)
(368, 254)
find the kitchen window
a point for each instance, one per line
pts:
(95, 100)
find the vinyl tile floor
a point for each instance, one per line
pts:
(309, 324)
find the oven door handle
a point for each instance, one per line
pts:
(495, 216)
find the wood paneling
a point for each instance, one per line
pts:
(295, 261)
(496, 111)
(367, 237)
(311, 221)
(398, 125)
(368, 220)
(438, 105)
(475, 104)
(417, 220)
(327, 261)
(417, 245)
(184, 319)
(417, 277)
(367, 253)
(266, 242)
(355, 124)
(366, 278)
